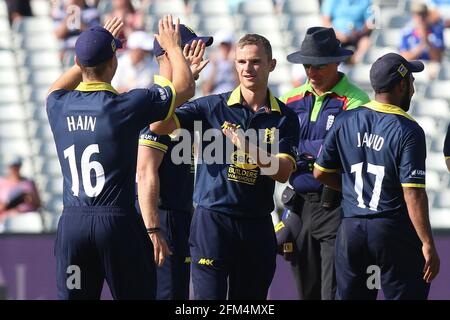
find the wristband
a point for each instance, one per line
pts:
(153, 230)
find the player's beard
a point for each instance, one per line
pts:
(405, 101)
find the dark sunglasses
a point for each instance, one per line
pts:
(317, 67)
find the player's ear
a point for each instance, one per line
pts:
(272, 64)
(76, 61)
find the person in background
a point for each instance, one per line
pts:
(17, 193)
(220, 75)
(351, 21)
(17, 9)
(440, 10)
(132, 18)
(70, 18)
(136, 66)
(423, 39)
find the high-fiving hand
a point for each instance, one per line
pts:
(114, 26)
(169, 33)
(194, 56)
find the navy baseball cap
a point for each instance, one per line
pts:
(187, 36)
(390, 69)
(95, 45)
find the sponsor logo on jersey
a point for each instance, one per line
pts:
(163, 94)
(206, 262)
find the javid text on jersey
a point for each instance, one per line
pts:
(370, 140)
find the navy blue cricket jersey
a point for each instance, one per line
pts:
(176, 180)
(234, 184)
(96, 134)
(378, 149)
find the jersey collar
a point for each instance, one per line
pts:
(236, 99)
(95, 86)
(387, 108)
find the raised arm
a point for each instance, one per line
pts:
(182, 79)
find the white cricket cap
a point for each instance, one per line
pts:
(140, 40)
(223, 36)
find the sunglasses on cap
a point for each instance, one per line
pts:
(317, 67)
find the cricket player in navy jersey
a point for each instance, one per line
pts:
(165, 188)
(447, 148)
(232, 239)
(376, 155)
(100, 235)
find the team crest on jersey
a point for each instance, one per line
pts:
(402, 70)
(163, 94)
(269, 135)
(330, 122)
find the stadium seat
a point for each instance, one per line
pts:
(105, 7)
(360, 73)
(436, 161)
(439, 89)
(13, 146)
(276, 38)
(389, 38)
(12, 112)
(13, 129)
(433, 181)
(296, 7)
(7, 59)
(32, 43)
(35, 25)
(278, 76)
(3, 10)
(447, 39)
(40, 59)
(10, 94)
(440, 218)
(44, 77)
(261, 23)
(8, 77)
(211, 7)
(444, 71)
(40, 7)
(28, 222)
(40, 130)
(49, 166)
(256, 7)
(375, 52)
(45, 149)
(436, 108)
(302, 23)
(443, 199)
(4, 26)
(214, 24)
(428, 125)
(160, 8)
